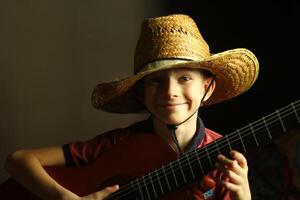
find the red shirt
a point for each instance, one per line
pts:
(81, 153)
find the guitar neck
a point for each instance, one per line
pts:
(192, 165)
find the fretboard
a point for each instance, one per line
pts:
(192, 165)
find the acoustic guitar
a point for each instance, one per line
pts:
(150, 169)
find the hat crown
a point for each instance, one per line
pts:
(175, 41)
(169, 37)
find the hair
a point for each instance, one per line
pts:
(206, 73)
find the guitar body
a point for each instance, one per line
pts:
(130, 158)
(151, 169)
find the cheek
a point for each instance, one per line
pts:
(195, 94)
(148, 98)
(149, 92)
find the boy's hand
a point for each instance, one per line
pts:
(235, 172)
(101, 194)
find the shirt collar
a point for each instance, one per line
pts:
(198, 136)
(196, 140)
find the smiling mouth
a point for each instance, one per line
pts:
(171, 105)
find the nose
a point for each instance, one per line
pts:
(170, 88)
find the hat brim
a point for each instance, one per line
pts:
(235, 72)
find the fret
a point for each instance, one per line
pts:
(176, 182)
(133, 188)
(226, 136)
(152, 184)
(238, 131)
(191, 169)
(295, 111)
(209, 159)
(268, 131)
(281, 122)
(221, 146)
(216, 143)
(140, 189)
(146, 188)
(167, 180)
(132, 184)
(199, 162)
(256, 133)
(252, 131)
(182, 172)
(158, 180)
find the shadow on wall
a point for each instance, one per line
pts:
(52, 54)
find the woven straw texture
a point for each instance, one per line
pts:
(177, 37)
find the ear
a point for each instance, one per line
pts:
(209, 87)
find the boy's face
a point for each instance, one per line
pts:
(174, 95)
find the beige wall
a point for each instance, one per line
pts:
(52, 54)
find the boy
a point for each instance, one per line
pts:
(174, 75)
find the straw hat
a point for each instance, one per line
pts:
(174, 41)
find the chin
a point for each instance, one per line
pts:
(173, 119)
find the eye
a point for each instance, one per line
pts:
(154, 80)
(185, 78)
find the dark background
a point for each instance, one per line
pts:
(270, 30)
(267, 28)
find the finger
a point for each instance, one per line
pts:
(225, 161)
(235, 155)
(229, 186)
(229, 175)
(240, 158)
(233, 164)
(106, 192)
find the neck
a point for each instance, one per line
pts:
(184, 132)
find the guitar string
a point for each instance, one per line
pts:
(236, 134)
(232, 133)
(254, 125)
